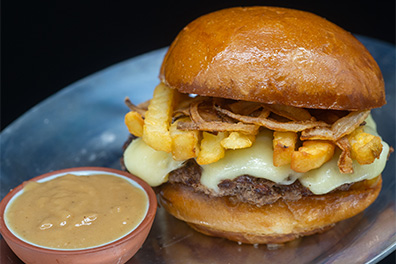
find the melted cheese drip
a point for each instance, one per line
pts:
(255, 161)
(149, 164)
(153, 166)
(328, 177)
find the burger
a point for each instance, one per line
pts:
(260, 128)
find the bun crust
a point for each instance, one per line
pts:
(276, 56)
(274, 223)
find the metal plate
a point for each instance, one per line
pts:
(82, 125)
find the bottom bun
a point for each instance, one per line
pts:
(275, 223)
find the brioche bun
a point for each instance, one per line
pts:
(275, 223)
(276, 56)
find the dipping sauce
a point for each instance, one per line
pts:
(75, 212)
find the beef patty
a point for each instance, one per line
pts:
(244, 188)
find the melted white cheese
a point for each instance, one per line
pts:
(149, 164)
(328, 177)
(255, 161)
(153, 166)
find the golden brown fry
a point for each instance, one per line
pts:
(365, 147)
(185, 144)
(158, 117)
(211, 149)
(237, 140)
(134, 122)
(312, 155)
(284, 144)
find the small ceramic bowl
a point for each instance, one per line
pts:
(118, 251)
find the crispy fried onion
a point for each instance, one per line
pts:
(206, 120)
(220, 115)
(345, 159)
(185, 101)
(264, 120)
(290, 112)
(141, 108)
(343, 126)
(244, 107)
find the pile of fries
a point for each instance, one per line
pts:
(205, 128)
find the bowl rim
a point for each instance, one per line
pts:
(146, 222)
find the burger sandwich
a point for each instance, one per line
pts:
(260, 128)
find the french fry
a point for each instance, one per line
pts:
(134, 122)
(158, 117)
(238, 140)
(365, 147)
(312, 155)
(284, 144)
(185, 144)
(211, 149)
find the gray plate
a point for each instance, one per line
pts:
(82, 125)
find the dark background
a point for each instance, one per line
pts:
(47, 45)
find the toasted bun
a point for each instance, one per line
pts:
(276, 56)
(274, 223)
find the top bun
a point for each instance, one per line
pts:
(276, 56)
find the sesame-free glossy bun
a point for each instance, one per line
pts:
(279, 222)
(273, 55)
